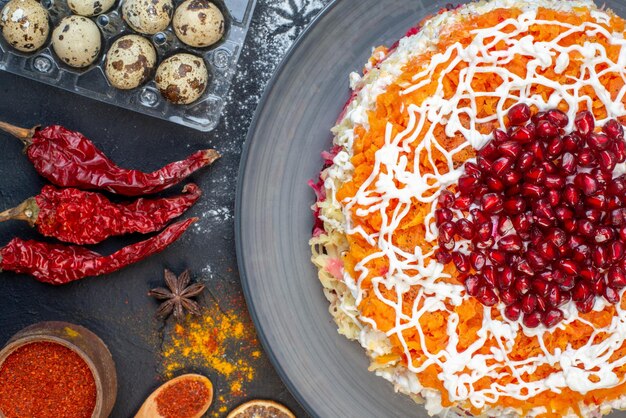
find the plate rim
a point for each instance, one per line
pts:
(243, 162)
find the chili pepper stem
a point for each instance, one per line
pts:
(27, 211)
(23, 134)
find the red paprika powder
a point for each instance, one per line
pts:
(183, 399)
(46, 380)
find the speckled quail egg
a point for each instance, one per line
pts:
(198, 23)
(182, 78)
(76, 41)
(24, 24)
(130, 62)
(147, 16)
(90, 7)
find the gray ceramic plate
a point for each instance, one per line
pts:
(327, 373)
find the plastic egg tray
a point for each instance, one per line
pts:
(203, 115)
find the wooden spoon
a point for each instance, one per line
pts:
(149, 408)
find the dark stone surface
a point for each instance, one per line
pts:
(116, 306)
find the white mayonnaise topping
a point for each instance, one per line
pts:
(391, 181)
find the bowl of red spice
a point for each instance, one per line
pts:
(56, 370)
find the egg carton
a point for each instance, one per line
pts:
(204, 114)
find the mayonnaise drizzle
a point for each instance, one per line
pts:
(461, 370)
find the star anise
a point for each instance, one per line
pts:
(177, 298)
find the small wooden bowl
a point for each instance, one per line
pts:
(84, 343)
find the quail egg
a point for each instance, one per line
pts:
(130, 62)
(24, 24)
(76, 41)
(147, 16)
(198, 23)
(90, 7)
(182, 78)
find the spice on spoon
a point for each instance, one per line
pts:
(46, 380)
(60, 264)
(186, 398)
(79, 217)
(68, 159)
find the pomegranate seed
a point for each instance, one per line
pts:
(483, 245)
(473, 170)
(586, 183)
(505, 226)
(542, 209)
(512, 177)
(613, 202)
(557, 236)
(571, 195)
(554, 181)
(513, 312)
(599, 255)
(581, 291)
(522, 134)
(554, 296)
(443, 257)
(541, 304)
(607, 160)
(497, 257)
(467, 184)
(510, 243)
(545, 129)
(598, 287)
(523, 266)
(536, 175)
(567, 283)
(506, 278)
(565, 297)
(502, 165)
(568, 163)
(550, 167)
(532, 320)
(483, 233)
(463, 202)
(586, 158)
(443, 215)
(510, 149)
(473, 284)
(446, 231)
(581, 253)
(586, 305)
(461, 262)
(494, 184)
(563, 213)
(586, 228)
(541, 287)
(479, 216)
(519, 114)
(614, 130)
(487, 296)
(525, 161)
(538, 150)
(616, 278)
(522, 285)
(513, 190)
(603, 234)
(445, 199)
(571, 142)
(465, 228)
(508, 296)
(547, 250)
(514, 205)
(491, 203)
(616, 251)
(489, 275)
(597, 202)
(537, 117)
(617, 187)
(611, 295)
(552, 317)
(522, 222)
(532, 190)
(598, 142)
(499, 136)
(622, 232)
(529, 303)
(490, 151)
(619, 149)
(478, 261)
(535, 260)
(568, 267)
(593, 215)
(569, 225)
(589, 274)
(558, 118)
(584, 123)
(446, 245)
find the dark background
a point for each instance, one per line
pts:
(116, 307)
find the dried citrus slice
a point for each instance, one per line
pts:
(261, 409)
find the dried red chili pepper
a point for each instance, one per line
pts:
(79, 217)
(69, 159)
(59, 264)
